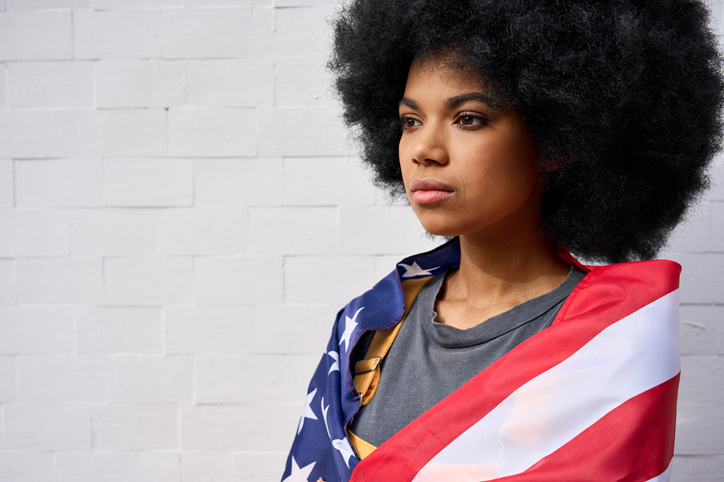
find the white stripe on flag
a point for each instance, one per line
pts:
(629, 357)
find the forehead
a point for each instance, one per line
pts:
(442, 71)
(444, 76)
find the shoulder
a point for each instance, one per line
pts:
(383, 305)
(660, 274)
(618, 290)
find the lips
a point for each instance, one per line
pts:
(428, 191)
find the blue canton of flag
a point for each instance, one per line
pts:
(321, 447)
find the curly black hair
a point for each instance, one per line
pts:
(622, 98)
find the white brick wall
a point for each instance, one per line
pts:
(174, 183)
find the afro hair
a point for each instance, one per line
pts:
(622, 98)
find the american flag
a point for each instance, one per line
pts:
(591, 398)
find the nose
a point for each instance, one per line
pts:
(429, 145)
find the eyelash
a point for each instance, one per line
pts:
(482, 120)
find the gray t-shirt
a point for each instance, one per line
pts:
(429, 360)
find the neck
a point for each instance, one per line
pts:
(499, 272)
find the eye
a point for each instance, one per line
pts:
(409, 122)
(471, 120)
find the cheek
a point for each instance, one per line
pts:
(405, 165)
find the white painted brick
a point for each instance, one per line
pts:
(140, 83)
(333, 280)
(7, 282)
(7, 183)
(43, 85)
(326, 181)
(698, 328)
(716, 192)
(284, 424)
(699, 374)
(39, 134)
(301, 132)
(37, 329)
(119, 330)
(206, 33)
(701, 468)
(59, 183)
(230, 82)
(26, 466)
(33, 233)
(226, 3)
(263, 21)
(35, 35)
(239, 379)
(54, 379)
(385, 264)
(49, 4)
(292, 328)
(207, 467)
(135, 427)
(148, 182)
(123, 133)
(47, 427)
(114, 232)
(117, 466)
(303, 82)
(694, 233)
(698, 429)
(226, 428)
(301, 369)
(211, 132)
(396, 230)
(152, 379)
(238, 182)
(3, 84)
(301, 3)
(116, 34)
(204, 231)
(209, 329)
(127, 4)
(700, 277)
(294, 230)
(259, 466)
(301, 32)
(238, 281)
(59, 281)
(148, 281)
(8, 383)
(717, 227)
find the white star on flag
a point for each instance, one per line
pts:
(344, 448)
(349, 326)
(299, 475)
(307, 412)
(335, 365)
(415, 270)
(324, 415)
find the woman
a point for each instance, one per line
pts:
(524, 130)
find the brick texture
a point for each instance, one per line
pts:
(182, 213)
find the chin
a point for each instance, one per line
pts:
(441, 227)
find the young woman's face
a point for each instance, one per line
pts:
(467, 167)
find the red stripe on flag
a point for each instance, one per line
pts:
(605, 295)
(632, 443)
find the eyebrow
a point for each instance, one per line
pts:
(461, 99)
(408, 102)
(457, 101)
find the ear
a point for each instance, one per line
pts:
(549, 166)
